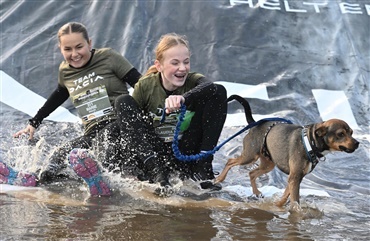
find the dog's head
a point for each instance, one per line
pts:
(336, 135)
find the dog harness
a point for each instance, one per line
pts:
(312, 157)
(264, 148)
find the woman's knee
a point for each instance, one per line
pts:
(221, 91)
(125, 102)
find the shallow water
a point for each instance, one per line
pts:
(64, 211)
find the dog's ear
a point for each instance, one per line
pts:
(321, 129)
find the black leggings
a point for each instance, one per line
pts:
(204, 131)
(207, 123)
(127, 143)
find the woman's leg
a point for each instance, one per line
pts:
(113, 150)
(204, 132)
(84, 165)
(138, 136)
(57, 161)
(8, 175)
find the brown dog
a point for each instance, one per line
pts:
(294, 149)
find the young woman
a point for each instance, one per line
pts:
(169, 84)
(166, 86)
(92, 79)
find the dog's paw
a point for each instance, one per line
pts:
(255, 197)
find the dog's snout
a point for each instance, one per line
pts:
(351, 147)
(356, 143)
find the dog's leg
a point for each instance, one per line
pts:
(284, 198)
(291, 190)
(294, 184)
(230, 163)
(266, 165)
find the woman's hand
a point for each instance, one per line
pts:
(173, 103)
(30, 130)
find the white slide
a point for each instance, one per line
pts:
(27, 101)
(338, 107)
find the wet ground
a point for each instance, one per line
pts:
(335, 207)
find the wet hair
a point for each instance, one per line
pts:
(73, 27)
(167, 41)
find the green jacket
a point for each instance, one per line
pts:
(94, 88)
(150, 95)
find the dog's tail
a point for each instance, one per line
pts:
(245, 104)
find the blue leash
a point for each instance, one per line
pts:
(202, 155)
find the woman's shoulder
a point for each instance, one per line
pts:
(105, 51)
(112, 56)
(147, 83)
(150, 79)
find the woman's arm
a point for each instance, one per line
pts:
(132, 77)
(205, 89)
(56, 99)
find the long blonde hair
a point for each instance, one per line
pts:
(166, 41)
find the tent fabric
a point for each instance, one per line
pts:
(292, 48)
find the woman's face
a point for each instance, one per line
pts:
(75, 49)
(174, 67)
